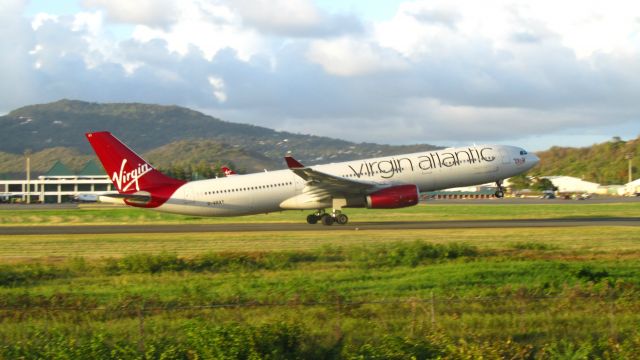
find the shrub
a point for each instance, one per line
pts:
(145, 263)
(411, 254)
(530, 245)
(589, 274)
(29, 274)
(396, 347)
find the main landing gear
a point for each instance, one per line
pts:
(328, 219)
(500, 192)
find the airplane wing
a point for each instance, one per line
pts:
(322, 184)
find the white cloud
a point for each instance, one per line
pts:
(293, 18)
(436, 71)
(592, 26)
(40, 18)
(278, 14)
(585, 27)
(16, 64)
(154, 13)
(89, 22)
(207, 26)
(218, 88)
(348, 57)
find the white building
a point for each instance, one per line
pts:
(632, 188)
(572, 184)
(58, 185)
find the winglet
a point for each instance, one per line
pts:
(293, 163)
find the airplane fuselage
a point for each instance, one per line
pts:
(271, 191)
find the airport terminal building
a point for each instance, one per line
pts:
(57, 185)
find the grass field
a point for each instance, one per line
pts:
(87, 215)
(559, 293)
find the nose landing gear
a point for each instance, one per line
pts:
(500, 191)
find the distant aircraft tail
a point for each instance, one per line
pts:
(134, 178)
(227, 171)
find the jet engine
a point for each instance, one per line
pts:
(393, 197)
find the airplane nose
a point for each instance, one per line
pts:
(535, 159)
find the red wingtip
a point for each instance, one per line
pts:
(293, 163)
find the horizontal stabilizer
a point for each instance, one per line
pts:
(141, 198)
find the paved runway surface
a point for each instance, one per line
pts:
(528, 201)
(285, 227)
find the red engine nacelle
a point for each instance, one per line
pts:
(394, 197)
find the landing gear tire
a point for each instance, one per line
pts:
(342, 219)
(500, 192)
(312, 219)
(327, 220)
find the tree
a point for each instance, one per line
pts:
(543, 184)
(519, 182)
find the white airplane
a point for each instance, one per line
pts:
(380, 183)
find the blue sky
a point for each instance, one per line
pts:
(445, 72)
(58, 7)
(376, 9)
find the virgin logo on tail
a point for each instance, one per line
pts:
(129, 178)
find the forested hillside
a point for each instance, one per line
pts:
(180, 158)
(145, 127)
(603, 163)
(13, 165)
(208, 153)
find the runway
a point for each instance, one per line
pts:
(289, 227)
(430, 202)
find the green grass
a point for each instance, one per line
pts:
(531, 293)
(581, 242)
(87, 215)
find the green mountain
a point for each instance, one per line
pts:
(601, 163)
(193, 152)
(13, 165)
(145, 127)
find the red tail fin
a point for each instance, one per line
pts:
(129, 172)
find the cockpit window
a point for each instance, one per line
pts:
(522, 152)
